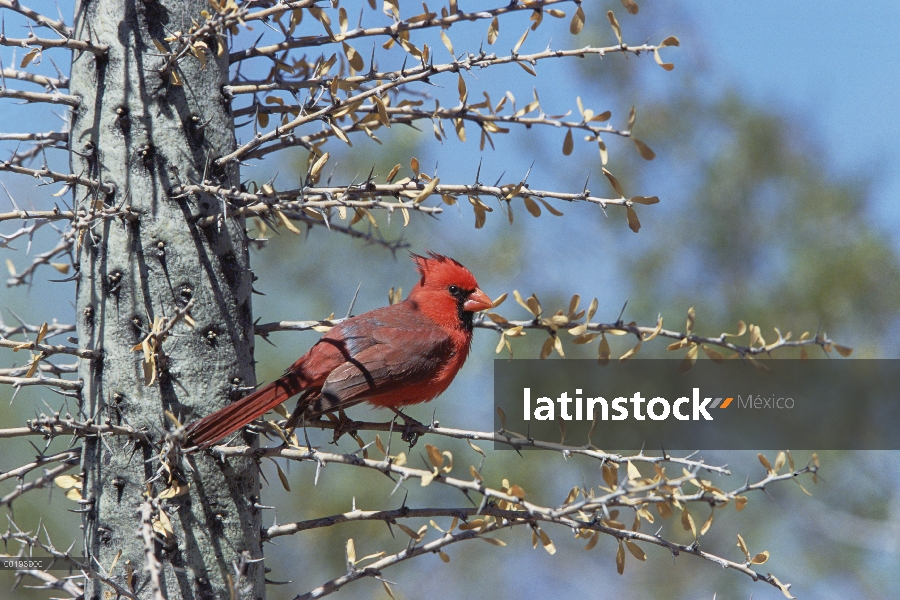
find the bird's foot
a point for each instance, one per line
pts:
(344, 425)
(409, 424)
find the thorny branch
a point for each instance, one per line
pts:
(67, 456)
(54, 98)
(406, 115)
(51, 136)
(22, 157)
(514, 441)
(368, 196)
(149, 512)
(51, 426)
(392, 31)
(57, 26)
(643, 333)
(44, 258)
(53, 329)
(45, 172)
(30, 541)
(42, 481)
(52, 583)
(420, 73)
(32, 41)
(582, 512)
(63, 384)
(52, 83)
(50, 368)
(311, 197)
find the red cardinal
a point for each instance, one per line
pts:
(393, 356)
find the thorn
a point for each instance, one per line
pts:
(528, 173)
(622, 312)
(352, 302)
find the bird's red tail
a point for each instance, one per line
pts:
(211, 428)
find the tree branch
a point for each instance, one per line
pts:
(585, 515)
(407, 115)
(44, 258)
(53, 329)
(370, 237)
(87, 570)
(310, 197)
(420, 73)
(643, 333)
(514, 441)
(66, 456)
(63, 384)
(48, 367)
(57, 26)
(66, 42)
(51, 582)
(40, 482)
(392, 31)
(52, 98)
(48, 350)
(43, 80)
(45, 171)
(151, 564)
(50, 136)
(50, 426)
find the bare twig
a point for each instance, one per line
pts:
(642, 332)
(407, 115)
(53, 98)
(23, 156)
(49, 426)
(53, 329)
(419, 73)
(368, 237)
(63, 384)
(44, 258)
(51, 136)
(48, 82)
(152, 566)
(67, 456)
(314, 198)
(52, 583)
(501, 437)
(45, 172)
(647, 333)
(48, 350)
(44, 367)
(581, 515)
(57, 26)
(33, 41)
(391, 30)
(89, 572)
(44, 480)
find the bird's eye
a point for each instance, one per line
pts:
(454, 290)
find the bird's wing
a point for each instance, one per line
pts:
(396, 359)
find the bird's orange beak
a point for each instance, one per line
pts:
(477, 301)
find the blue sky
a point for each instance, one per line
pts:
(834, 64)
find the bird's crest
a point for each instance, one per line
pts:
(443, 270)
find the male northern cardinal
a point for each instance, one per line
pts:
(393, 356)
